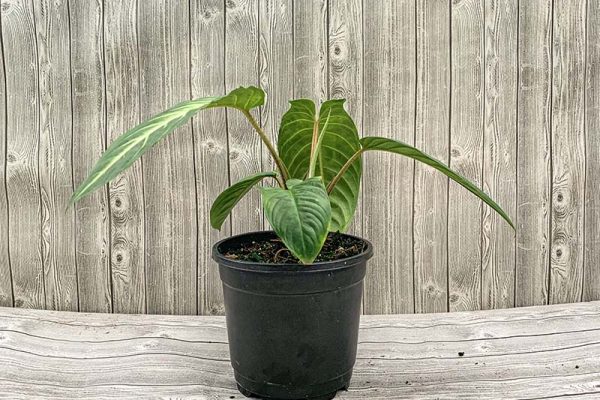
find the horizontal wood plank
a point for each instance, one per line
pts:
(532, 353)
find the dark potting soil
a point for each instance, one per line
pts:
(273, 251)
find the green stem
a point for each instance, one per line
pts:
(343, 170)
(282, 170)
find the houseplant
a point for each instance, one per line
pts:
(292, 296)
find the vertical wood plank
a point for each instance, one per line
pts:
(345, 81)
(241, 69)
(466, 148)
(533, 149)
(310, 50)
(275, 64)
(22, 150)
(591, 279)
(499, 153)
(6, 296)
(432, 136)
(210, 134)
(89, 141)
(389, 110)
(55, 164)
(126, 194)
(169, 190)
(568, 151)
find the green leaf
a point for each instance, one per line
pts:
(339, 141)
(299, 215)
(393, 146)
(130, 146)
(225, 202)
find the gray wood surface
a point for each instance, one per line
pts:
(533, 148)
(499, 153)
(568, 152)
(466, 153)
(389, 110)
(242, 69)
(126, 191)
(591, 263)
(524, 353)
(6, 295)
(210, 142)
(92, 236)
(432, 135)
(169, 182)
(55, 163)
(506, 91)
(22, 150)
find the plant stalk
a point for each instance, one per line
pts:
(343, 170)
(282, 170)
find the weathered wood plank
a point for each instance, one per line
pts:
(126, 193)
(276, 60)
(568, 152)
(22, 150)
(89, 141)
(55, 161)
(389, 110)
(466, 151)
(533, 149)
(169, 190)
(528, 353)
(345, 55)
(210, 143)
(241, 69)
(499, 153)
(6, 295)
(432, 135)
(311, 50)
(591, 278)
(345, 81)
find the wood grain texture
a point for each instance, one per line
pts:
(22, 150)
(55, 161)
(568, 152)
(89, 141)
(210, 143)
(6, 291)
(466, 151)
(276, 60)
(241, 69)
(526, 353)
(432, 135)
(169, 190)
(506, 91)
(389, 110)
(126, 192)
(591, 277)
(533, 149)
(345, 54)
(499, 153)
(311, 50)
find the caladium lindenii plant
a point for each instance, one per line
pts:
(318, 159)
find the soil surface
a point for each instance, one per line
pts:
(273, 251)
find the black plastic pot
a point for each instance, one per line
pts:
(292, 329)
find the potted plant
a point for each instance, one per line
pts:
(292, 295)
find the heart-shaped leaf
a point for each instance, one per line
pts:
(339, 141)
(225, 202)
(130, 146)
(299, 215)
(394, 146)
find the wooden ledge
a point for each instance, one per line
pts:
(533, 353)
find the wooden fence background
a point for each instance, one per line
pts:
(506, 91)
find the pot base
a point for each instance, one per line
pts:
(322, 391)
